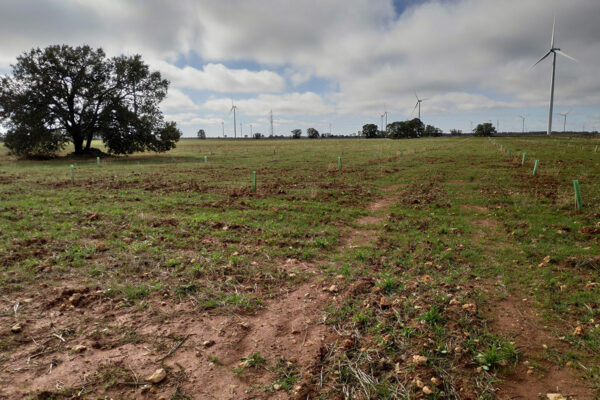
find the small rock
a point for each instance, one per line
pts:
(78, 348)
(158, 376)
(419, 383)
(419, 360)
(578, 331)
(427, 390)
(16, 328)
(332, 289)
(436, 381)
(383, 302)
(75, 298)
(470, 307)
(277, 386)
(208, 343)
(555, 396)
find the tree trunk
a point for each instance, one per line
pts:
(75, 134)
(78, 143)
(88, 142)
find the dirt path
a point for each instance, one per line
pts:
(515, 317)
(76, 341)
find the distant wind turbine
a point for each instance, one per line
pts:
(233, 108)
(523, 118)
(564, 115)
(385, 113)
(553, 50)
(418, 104)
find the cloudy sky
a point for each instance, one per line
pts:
(337, 63)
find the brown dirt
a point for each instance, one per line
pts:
(124, 344)
(288, 327)
(517, 319)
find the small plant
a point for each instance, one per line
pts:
(389, 284)
(432, 316)
(249, 362)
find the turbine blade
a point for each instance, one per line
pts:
(416, 105)
(552, 41)
(427, 98)
(562, 53)
(541, 59)
(416, 96)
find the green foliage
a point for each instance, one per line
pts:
(370, 131)
(61, 94)
(296, 133)
(201, 134)
(455, 132)
(312, 133)
(432, 131)
(406, 129)
(485, 129)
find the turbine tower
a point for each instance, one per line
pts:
(233, 108)
(523, 118)
(418, 105)
(564, 115)
(385, 113)
(553, 50)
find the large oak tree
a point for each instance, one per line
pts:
(63, 94)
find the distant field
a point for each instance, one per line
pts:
(427, 268)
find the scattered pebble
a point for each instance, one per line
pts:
(208, 343)
(417, 359)
(427, 390)
(78, 348)
(158, 376)
(16, 328)
(470, 307)
(555, 396)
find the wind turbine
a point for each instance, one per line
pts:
(385, 113)
(553, 50)
(523, 118)
(233, 108)
(418, 104)
(565, 120)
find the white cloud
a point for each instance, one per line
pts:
(219, 78)
(177, 100)
(189, 119)
(290, 104)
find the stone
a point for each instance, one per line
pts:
(16, 328)
(427, 390)
(555, 396)
(158, 376)
(578, 331)
(78, 348)
(332, 289)
(208, 343)
(470, 307)
(436, 381)
(419, 360)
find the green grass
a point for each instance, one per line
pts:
(465, 224)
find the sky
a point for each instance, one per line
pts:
(336, 65)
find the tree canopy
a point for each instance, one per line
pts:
(201, 134)
(296, 133)
(413, 128)
(485, 129)
(63, 94)
(369, 131)
(312, 133)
